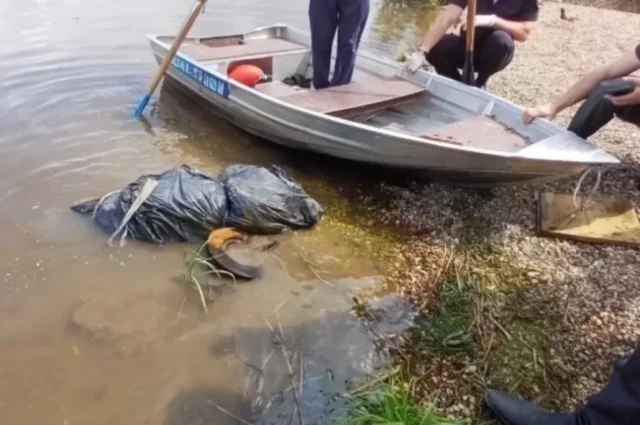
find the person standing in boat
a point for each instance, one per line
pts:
(610, 91)
(499, 24)
(348, 18)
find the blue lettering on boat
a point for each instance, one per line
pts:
(202, 77)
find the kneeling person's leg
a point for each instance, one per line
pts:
(618, 403)
(596, 111)
(495, 53)
(447, 56)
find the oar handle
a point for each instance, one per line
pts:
(186, 26)
(471, 24)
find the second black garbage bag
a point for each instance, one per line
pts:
(266, 200)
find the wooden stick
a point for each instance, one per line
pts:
(467, 72)
(285, 354)
(225, 411)
(172, 52)
(501, 328)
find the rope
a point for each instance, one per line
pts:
(100, 202)
(588, 200)
(145, 192)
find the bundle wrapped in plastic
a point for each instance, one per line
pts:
(266, 200)
(184, 204)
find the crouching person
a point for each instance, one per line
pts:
(499, 24)
(610, 91)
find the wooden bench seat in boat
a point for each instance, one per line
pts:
(369, 93)
(482, 132)
(252, 47)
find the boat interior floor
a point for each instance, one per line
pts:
(385, 102)
(282, 58)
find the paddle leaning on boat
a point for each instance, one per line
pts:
(499, 24)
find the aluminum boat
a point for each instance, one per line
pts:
(419, 122)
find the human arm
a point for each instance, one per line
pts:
(448, 17)
(631, 98)
(623, 66)
(518, 30)
(519, 27)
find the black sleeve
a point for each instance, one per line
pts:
(530, 11)
(460, 3)
(638, 51)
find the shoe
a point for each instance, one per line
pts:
(619, 363)
(512, 410)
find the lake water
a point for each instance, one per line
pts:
(91, 334)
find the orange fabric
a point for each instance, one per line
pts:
(249, 75)
(219, 236)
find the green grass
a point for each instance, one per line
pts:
(493, 315)
(449, 328)
(392, 403)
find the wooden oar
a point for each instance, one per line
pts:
(467, 71)
(172, 52)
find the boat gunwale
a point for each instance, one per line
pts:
(376, 131)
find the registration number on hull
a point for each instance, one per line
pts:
(202, 77)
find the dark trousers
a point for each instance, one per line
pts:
(349, 18)
(597, 111)
(618, 403)
(493, 52)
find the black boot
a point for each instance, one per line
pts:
(512, 410)
(619, 363)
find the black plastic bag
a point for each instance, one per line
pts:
(266, 200)
(186, 205)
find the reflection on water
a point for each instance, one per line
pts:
(403, 23)
(102, 336)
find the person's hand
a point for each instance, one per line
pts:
(542, 111)
(488, 21)
(416, 61)
(631, 98)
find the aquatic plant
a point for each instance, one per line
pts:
(392, 402)
(193, 264)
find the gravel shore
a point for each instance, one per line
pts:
(585, 298)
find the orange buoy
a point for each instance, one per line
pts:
(249, 75)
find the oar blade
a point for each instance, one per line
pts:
(143, 104)
(169, 57)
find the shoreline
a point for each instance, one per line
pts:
(502, 307)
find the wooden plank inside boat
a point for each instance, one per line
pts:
(265, 46)
(482, 132)
(358, 97)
